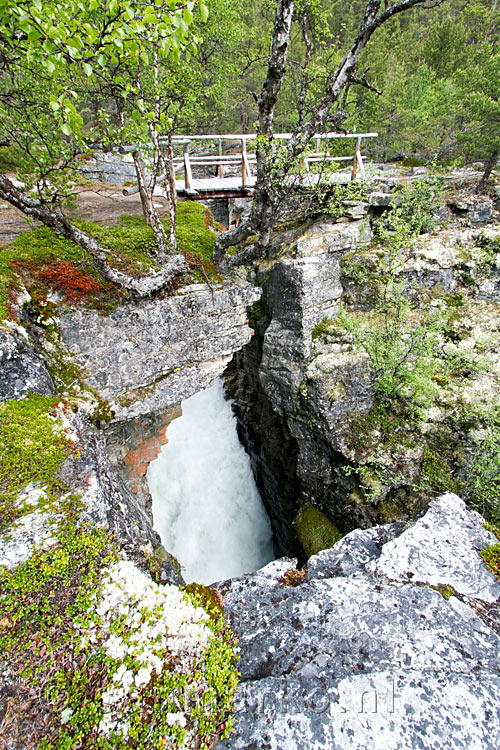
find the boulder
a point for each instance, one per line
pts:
(355, 658)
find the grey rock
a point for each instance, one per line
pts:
(358, 211)
(344, 661)
(479, 211)
(33, 531)
(441, 215)
(380, 199)
(442, 548)
(352, 553)
(239, 209)
(303, 288)
(113, 168)
(146, 356)
(22, 370)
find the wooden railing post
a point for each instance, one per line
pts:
(358, 161)
(188, 177)
(243, 161)
(360, 158)
(220, 168)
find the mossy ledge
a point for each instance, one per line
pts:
(49, 266)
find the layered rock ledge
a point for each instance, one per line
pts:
(144, 357)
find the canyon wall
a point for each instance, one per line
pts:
(310, 406)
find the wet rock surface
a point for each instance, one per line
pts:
(348, 660)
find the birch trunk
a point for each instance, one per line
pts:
(173, 266)
(273, 183)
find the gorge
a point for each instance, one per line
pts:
(386, 637)
(206, 506)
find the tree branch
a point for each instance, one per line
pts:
(60, 225)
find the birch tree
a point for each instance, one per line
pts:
(53, 54)
(275, 162)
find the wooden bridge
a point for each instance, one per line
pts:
(234, 161)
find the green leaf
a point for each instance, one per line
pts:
(203, 12)
(88, 69)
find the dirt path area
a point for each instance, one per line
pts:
(102, 204)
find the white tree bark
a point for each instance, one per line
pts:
(270, 188)
(171, 267)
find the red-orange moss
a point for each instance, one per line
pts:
(64, 276)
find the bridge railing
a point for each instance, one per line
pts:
(243, 159)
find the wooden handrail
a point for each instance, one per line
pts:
(245, 159)
(253, 136)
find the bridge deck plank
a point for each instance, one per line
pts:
(209, 184)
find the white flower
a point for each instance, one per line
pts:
(142, 677)
(177, 718)
(66, 715)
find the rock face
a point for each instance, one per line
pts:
(144, 357)
(304, 388)
(300, 289)
(354, 658)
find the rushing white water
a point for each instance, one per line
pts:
(206, 506)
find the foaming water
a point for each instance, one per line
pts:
(206, 506)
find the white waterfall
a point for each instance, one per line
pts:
(206, 506)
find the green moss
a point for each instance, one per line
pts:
(11, 157)
(43, 261)
(32, 449)
(206, 597)
(256, 315)
(36, 590)
(314, 530)
(391, 511)
(196, 238)
(321, 328)
(445, 590)
(387, 424)
(491, 557)
(48, 602)
(437, 470)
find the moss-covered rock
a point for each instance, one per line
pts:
(314, 530)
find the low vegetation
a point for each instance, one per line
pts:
(48, 264)
(96, 653)
(434, 425)
(315, 531)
